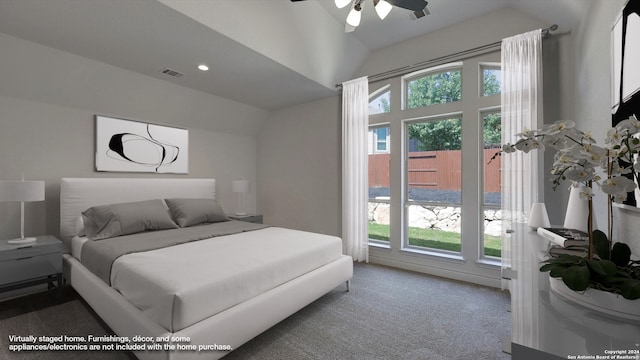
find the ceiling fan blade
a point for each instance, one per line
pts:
(413, 5)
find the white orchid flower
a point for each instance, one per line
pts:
(558, 127)
(526, 133)
(617, 185)
(593, 153)
(619, 197)
(580, 174)
(616, 170)
(508, 148)
(613, 136)
(586, 193)
(628, 126)
(527, 145)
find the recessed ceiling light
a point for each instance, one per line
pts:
(203, 67)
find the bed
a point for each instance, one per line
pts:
(218, 290)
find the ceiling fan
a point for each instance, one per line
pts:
(418, 9)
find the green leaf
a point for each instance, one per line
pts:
(558, 271)
(630, 289)
(547, 267)
(621, 254)
(603, 267)
(601, 244)
(577, 277)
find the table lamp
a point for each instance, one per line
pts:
(241, 187)
(538, 216)
(22, 191)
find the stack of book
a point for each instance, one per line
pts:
(566, 241)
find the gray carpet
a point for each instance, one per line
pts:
(388, 314)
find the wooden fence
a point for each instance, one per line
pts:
(440, 170)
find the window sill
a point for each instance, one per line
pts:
(435, 254)
(379, 245)
(490, 263)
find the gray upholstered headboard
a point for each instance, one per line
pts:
(79, 194)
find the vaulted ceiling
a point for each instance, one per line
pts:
(266, 53)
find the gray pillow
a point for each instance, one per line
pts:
(189, 212)
(106, 221)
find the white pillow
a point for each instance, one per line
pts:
(80, 227)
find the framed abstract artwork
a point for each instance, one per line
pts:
(625, 74)
(134, 146)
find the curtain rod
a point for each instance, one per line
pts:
(480, 50)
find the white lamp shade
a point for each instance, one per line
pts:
(21, 191)
(240, 186)
(342, 3)
(383, 8)
(538, 216)
(577, 215)
(354, 17)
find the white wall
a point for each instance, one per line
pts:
(478, 31)
(48, 100)
(299, 171)
(593, 80)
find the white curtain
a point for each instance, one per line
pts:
(521, 109)
(355, 173)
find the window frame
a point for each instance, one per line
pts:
(406, 202)
(483, 204)
(406, 79)
(490, 66)
(376, 242)
(379, 92)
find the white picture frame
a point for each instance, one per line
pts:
(134, 146)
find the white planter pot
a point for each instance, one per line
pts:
(597, 300)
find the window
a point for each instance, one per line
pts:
(491, 80)
(381, 102)
(435, 88)
(433, 176)
(382, 139)
(379, 140)
(379, 195)
(433, 205)
(491, 145)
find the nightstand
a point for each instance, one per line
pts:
(33, 264)
(252, 218)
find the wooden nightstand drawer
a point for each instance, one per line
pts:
(25, 265)
(29, 251)
(30, 267)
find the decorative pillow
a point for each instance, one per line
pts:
(80, 226)
(189, 212)
(106, 221)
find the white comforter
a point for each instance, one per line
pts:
(181, 285)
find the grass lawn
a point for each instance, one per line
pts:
(436, 239)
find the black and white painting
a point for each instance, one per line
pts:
(134, 146)
(625, 74)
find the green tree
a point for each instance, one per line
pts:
(491, 84)
(437, 88)
(386, 107)
(446, 87)
(437, 135)
(492, 122)
(491, 130)
(433, 89)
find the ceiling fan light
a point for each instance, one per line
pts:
(354, 17)
(382, 9)
(342, 3)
